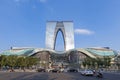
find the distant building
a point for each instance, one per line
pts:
(69, 55)
(66, 28)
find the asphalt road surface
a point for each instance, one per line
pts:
(54, 76)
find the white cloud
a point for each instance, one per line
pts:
(43, 1)
(84, 31)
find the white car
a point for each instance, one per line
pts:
(87, 72)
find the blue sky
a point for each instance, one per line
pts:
(23, 22)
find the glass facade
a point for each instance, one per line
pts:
(104, 52)
(18, 52)
(66, 27)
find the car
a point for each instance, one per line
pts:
(41, 70)
(55, 70)
(72, 70)
(87, 72)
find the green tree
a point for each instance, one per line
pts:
(26, 62)
(93, 63)
(107, 61)
(21, 62)
(30, 61)
(84, 64)
(3, 60)
(11, 61)
(118, 62)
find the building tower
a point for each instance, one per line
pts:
(66, 28)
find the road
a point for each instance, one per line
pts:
(53, 76)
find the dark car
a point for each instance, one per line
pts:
(41, 70)
(55, 70)
(72, 70)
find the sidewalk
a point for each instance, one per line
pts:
(112, 72)
(18, 70)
